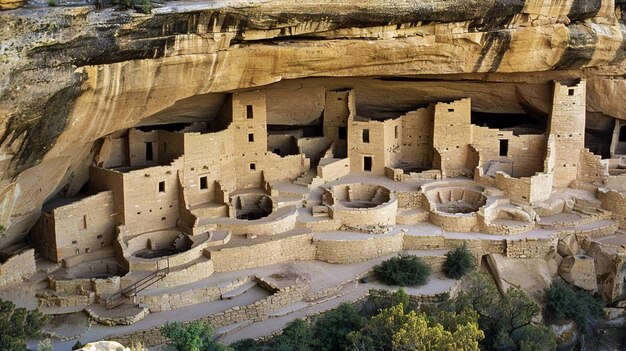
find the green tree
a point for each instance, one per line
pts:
(77, 345)
(403, 270)
(565, 302)
(458, 262)
(297, 336)
(332, 328)
(194, 336)
(393, 329)
(379, 299)
(17, 325)
(506, 319)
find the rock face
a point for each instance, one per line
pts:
(104, 346)
(531, 275)
(70, 76)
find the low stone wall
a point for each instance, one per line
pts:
(18, 268)
(413, 242)
(277, 222)
(455, 222)
(408, 199)
(351, 251)
(297, 247)
(615, 202)
(174, 300)
(530, 247)
(257, 311)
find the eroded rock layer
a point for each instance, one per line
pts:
(70, 76)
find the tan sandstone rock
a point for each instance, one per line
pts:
(532, 275)
(568, 246)
(579, 270)
(104, 346)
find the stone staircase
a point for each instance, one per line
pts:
(120, 297)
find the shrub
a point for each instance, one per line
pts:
(146, 6)
(52, 3)
(77, 345)
(458, 262)
(378, 299)
(297, 336)
(403, 270)
(195, 336)
(566, 302)
(331, 329)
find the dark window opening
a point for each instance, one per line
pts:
(277, 151)
(99, 236)
(504, 147)
(343, 133)
(149, 156)
(253, 166)
(84, 222)
(570, 92)
(161, 187)
(74, 242)
(518, 123)
(367, 163)
(249, 112)
(250, 138)
(163, 218)
(450, 110)
(203, 183)
(395, 131)
(622, 133)
(366, 135)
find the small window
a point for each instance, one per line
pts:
(367, 163)
(203, 183)
(249, 112)
(102, 244)
(450, 110)
(161, 187)
(83, 223)
(149, 155)
(163, 218)
(253, 166)
(504, 147)
(74, 242)
(77, 251)
(343, 133)
(395, 131)
(250, 137)
(99, 236)
(339, 99)
(366, 135)
(570, 92)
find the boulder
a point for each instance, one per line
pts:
(568, 246)
(611, 270)
(531, 275)
(104, 346)
(579, 270)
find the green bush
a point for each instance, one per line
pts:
(458, 262)
(403, 270)
(564, 301)
(194, 336)
(53, 3)
(331, 329)
(297, 336)
(77, 345)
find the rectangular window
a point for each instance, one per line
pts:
(203, 183)
(74, 242)
(83, 223)
(366, 135)
(343, 133)
(99, 236)
(250, 138)
(450, 110)
(149, 155)
(249, 112)
(253, 166)
(161, 187)
(367, 163)
(504, 147)
(570, 92)
(395, 131)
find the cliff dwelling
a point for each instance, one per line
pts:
(249, 168)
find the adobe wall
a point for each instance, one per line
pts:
(18, 267)
(592, 169)
(101, 179)
(567, 125)
(138, 150)
(452, 136)
(148, 205)
(82, 226)
(615, 202)
(114, 151)
(334, 170)
(338, 108)
(525, 154)
(297, 247)
(417, 138)
(381, 215)
(277, 222)
(358, 148)
(530, 247)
